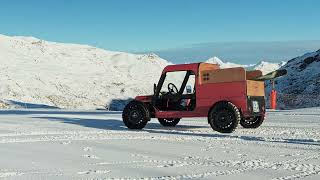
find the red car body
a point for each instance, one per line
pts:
(231, 85)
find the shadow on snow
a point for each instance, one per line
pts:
(31, 105)
(58, 112)
(182, 130)
(114, 124)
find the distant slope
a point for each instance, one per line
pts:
(267, 67)
(72, 76)
(301, 86)
(264, 66)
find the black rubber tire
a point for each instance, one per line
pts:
(168, 121)
(252, 123)
(224, 117)
(135, 115)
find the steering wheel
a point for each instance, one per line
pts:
(172, 89)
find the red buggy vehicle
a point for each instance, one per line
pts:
(226, 97)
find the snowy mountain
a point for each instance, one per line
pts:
(264, 66)
(216, 60)
(267, 67)
(36, 73)
(301, 86)
(72, 76)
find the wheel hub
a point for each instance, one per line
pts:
(135, 116)
(224, 119)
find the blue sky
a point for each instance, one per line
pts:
(143, 25)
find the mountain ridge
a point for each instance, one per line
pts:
(73, 76)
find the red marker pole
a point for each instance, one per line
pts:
(273, 97)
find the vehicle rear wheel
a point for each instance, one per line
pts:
(169, 121)
(253, 122)
(135, 115)
(224, 117)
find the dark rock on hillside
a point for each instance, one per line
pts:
(301, 86)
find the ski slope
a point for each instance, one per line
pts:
(57, 144)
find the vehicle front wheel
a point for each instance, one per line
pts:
(253, 122)
(135, 115)
(169, 121)
(224, 117)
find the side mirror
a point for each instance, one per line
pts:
(154, 88)
(189, 89)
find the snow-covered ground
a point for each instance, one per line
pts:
(56, 144)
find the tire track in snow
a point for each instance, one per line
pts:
(307, 169)
(205, 138)
(203, 175)
(247, 165)
(94, 172)
(13, 173)
(89, 137)
(10, 174)
(188, 176)
(298, 175)
(38, 133)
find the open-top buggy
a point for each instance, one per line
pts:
(226, 97)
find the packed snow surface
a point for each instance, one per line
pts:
(56, 144)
